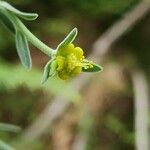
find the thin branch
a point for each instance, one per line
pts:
(116, 31)
(141, 104)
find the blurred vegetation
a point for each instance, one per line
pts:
(22, 97)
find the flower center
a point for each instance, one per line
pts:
(72, 62)
(69, 61)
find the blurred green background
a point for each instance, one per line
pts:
(22, 97)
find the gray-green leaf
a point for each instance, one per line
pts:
(7, 22)
(8, 127)
(69, 38)
(26, 16)
(49, 70)
(46, 72)
(95, 68)
(23, 50)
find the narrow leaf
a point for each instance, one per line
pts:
(7, 22)
(49, 70)
(46, 71)
(8, 127)
(69, 38)
(23, 50)
(4, 146)
(26, 16)
(95, 68)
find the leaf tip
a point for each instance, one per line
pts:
(36, 15)
(100, 68)
(75, 30)
(43, 81)
(29, 66)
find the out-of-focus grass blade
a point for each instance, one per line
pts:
(13, 76)
(4, 146)
(8, 127)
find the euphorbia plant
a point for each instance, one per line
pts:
(66, 61)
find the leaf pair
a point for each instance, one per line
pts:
(21, 40)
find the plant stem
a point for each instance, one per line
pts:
(32, 38)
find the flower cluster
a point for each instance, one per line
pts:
(69, 61)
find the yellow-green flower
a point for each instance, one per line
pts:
(70, 61)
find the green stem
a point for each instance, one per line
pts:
(32, 38)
